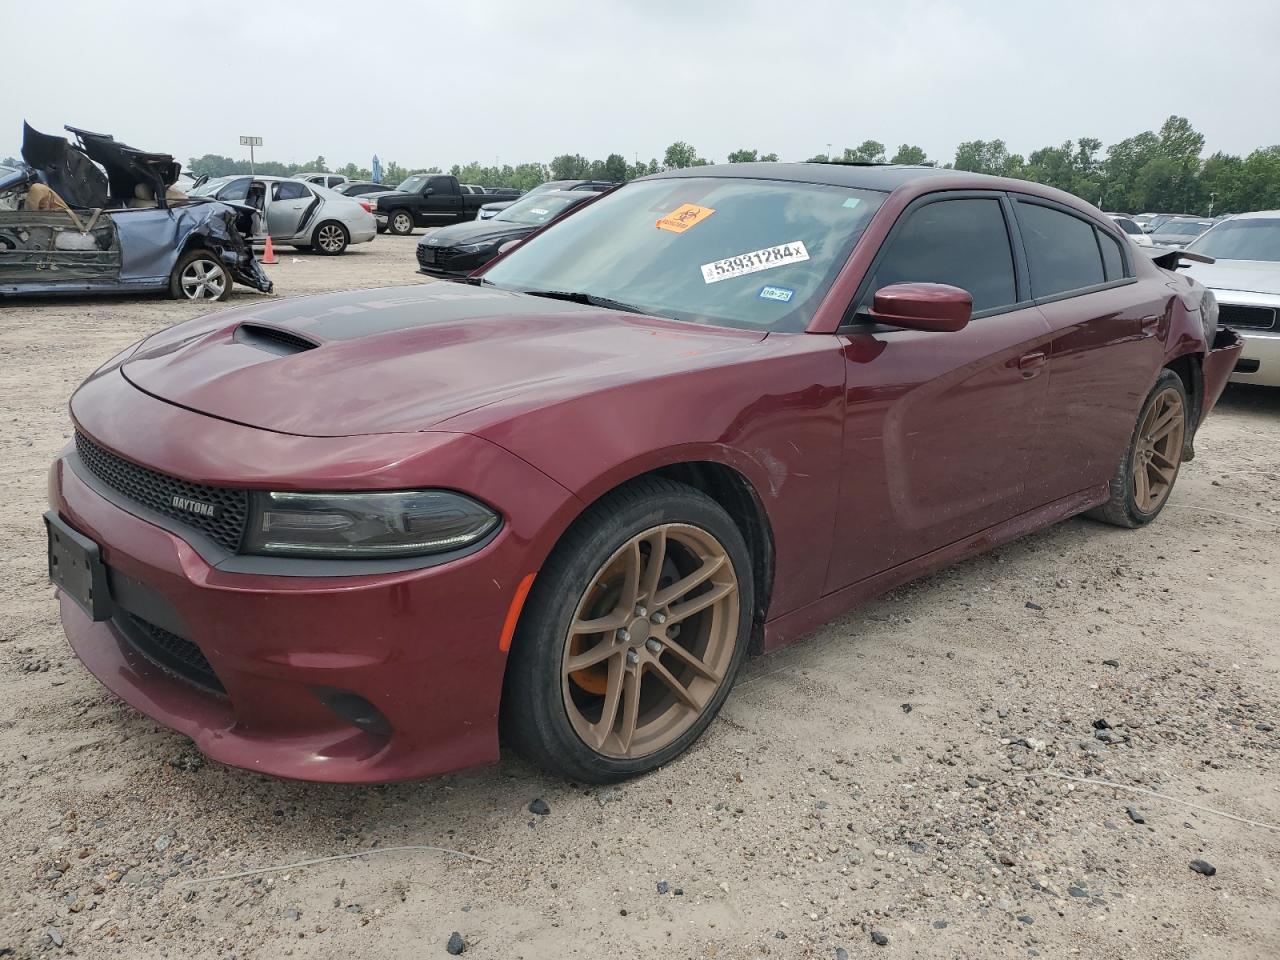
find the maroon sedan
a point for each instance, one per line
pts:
(356, 537)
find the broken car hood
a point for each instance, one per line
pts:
(410, 358)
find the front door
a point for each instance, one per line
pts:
(940, 428)
(290, 202)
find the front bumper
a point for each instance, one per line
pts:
(420, 645)
(1259, 361)
(445, 262)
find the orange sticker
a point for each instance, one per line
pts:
(683, 217)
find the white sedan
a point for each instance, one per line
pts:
(304, 215)
(1131, 228)
(1245, 277)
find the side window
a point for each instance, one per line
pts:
(441, 186)
(1062, 253)
(288, 190)
(964, 243)
(235, 190)
(1112, 258)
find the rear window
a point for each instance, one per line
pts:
(1062, 253)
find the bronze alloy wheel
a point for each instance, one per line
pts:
(651, 641)
(1157, 450)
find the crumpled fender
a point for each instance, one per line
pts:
(152, 241)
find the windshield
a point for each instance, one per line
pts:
(412, 184)
(754, 254)
(1183, 228)
(1252, 239)
(537, 209)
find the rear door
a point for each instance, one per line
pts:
(289, 205)
(940, 428)
(1105, 345)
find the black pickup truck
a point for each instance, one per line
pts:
(433, 200)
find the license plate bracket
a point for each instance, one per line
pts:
(76, 568)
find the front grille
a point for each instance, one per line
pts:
(158, 491)
(1253, 318)
(426, 255)
(169, 651)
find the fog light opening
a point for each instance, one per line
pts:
(356, 710)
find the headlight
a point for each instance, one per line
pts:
(1209, 316)
(476, 247)
(365, 525)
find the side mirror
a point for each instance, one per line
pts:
(428, 191)
(936, 307)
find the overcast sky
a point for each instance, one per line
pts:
(441, 83)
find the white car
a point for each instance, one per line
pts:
(1245, 277)
(304, 215)
(329, 180)
(1131, 228)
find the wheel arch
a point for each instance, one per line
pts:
(1190, 370)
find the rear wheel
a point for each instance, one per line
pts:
(400, 222)
(330, 238)
(632, 636)
(1144, 480)
(199, 275)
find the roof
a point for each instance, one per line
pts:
(1258, 215)
(878, 176)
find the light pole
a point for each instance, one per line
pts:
(828, 151)
(1212, 197)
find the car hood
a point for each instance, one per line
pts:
(475, 231)
(411, 358)
(1251, 276)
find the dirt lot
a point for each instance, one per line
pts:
(898, 773)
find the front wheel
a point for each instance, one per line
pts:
(199, 275)
(331, 238)
(1145, 476)
(400, 222)
(632, 636)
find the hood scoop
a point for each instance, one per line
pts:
(284, 343)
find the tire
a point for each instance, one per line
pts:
(330, 239)
(549, 713)
(1145, 477)
(400, 222)
(199, 275)
(382, 228)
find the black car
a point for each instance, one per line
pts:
(490, 210)
(358, 188)
(457, 250)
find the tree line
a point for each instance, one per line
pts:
(1163, 170)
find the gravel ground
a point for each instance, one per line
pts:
(893, 784)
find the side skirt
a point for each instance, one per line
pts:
(790, 627)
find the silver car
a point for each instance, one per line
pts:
(304, 215)
(1245, 277)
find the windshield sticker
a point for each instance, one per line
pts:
(753, 262)
(539, 211)
(851, 202)
(683, 217)
(781, 294)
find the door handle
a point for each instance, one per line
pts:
(1031, 363)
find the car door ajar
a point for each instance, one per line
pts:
(940, 428)
(290, 202)
(1105, 343)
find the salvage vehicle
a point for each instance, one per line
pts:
(1245, 278)
(304, 215)
(490, 210)
(432, 200)
(352, 537)
(103, 217)
(463, 248)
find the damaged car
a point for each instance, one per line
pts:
(100, 216)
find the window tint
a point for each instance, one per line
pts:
(1127, 225)
(285, 190)
(441, 185)
(235, 190)
(1112, 258)
(1062, 253)
(961, 242)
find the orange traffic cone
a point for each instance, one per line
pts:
(268, 255)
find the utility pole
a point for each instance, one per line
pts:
(828, 151)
